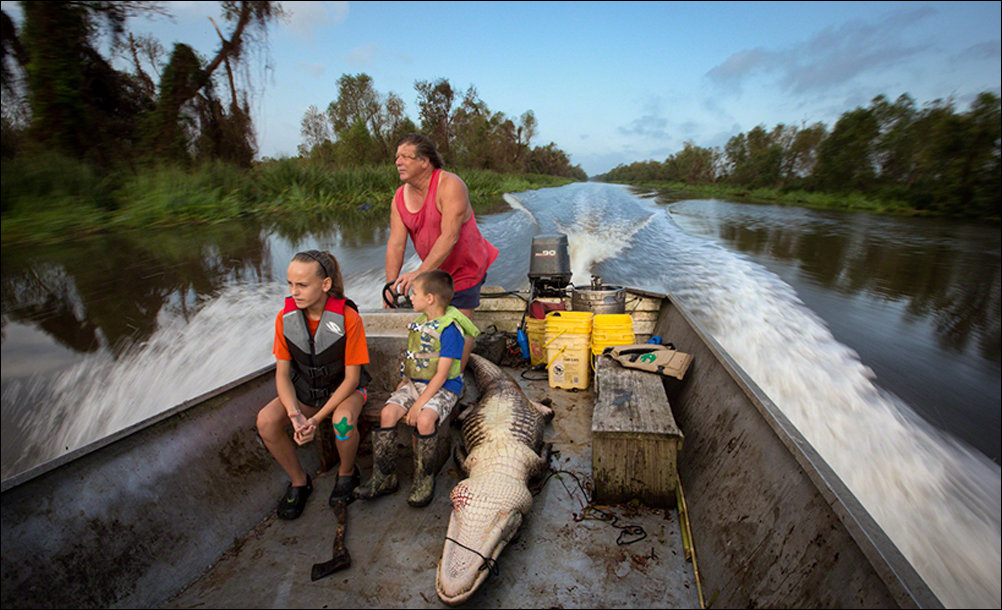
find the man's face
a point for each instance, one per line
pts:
(408, 162)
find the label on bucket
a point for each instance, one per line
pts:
(569, 367)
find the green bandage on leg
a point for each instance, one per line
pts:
(342, 428)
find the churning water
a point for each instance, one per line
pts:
(938, 500)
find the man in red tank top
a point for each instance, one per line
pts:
(433, 208)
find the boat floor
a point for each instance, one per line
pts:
(558, 559)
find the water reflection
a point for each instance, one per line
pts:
(938, 269)
(106, 292)
(348, 232)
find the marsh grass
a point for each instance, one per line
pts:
(678, 191)
(49, 197)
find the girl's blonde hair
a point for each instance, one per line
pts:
(327, 266)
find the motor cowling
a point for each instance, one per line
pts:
(549, 264)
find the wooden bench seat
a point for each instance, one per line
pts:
(635, 440)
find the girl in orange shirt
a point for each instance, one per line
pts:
(320, 353)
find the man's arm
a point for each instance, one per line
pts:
(396, 246)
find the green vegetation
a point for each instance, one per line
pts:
(680, 191)
(53, 197)
(362, 126)
(88, 147)
(888, 158)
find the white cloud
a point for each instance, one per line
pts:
(984, 51)
(832, 57)
(314, 69)
(651, 124)
(363, 55)
(740, 64)
(304, 18)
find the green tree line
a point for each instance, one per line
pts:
(932, 160)
(361, 126)
(61, 94)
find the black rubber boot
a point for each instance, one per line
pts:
(384, 458)
(430, 453)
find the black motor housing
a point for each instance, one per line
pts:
(550, 264)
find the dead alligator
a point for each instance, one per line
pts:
(503, 445)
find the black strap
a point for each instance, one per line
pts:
(488, 564)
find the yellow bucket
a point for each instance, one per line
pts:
(610, 330)
(536, 330)
(568, 335)
(568, 363)
(576, 322)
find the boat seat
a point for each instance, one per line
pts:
(635, 440)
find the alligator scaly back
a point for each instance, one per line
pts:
(503, 437)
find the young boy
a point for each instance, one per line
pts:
(431, 385)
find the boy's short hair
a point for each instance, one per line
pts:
(438, 283)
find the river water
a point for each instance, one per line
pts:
(877, 337)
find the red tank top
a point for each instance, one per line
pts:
(472, 254)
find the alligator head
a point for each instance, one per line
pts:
(486, 513)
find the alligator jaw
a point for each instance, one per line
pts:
(460, 571)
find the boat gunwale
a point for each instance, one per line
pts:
(897, 572)
(75, 454)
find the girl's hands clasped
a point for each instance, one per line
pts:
(304, 430)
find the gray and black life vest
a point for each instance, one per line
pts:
(317, 360)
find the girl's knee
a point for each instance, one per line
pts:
(268, 418)
(343, 421)
(343, 413)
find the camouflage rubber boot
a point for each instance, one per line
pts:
(429, 455)
(384, 458)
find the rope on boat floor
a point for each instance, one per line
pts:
(589, 511)
(628, 533)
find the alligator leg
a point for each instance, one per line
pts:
(341, 558)
(459, 455)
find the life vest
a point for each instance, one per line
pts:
(424, 344)
(317, 360)
(662, 359)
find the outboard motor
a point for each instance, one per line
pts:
(549, 276)
(549, 266)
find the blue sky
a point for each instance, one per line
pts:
(616, 82)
